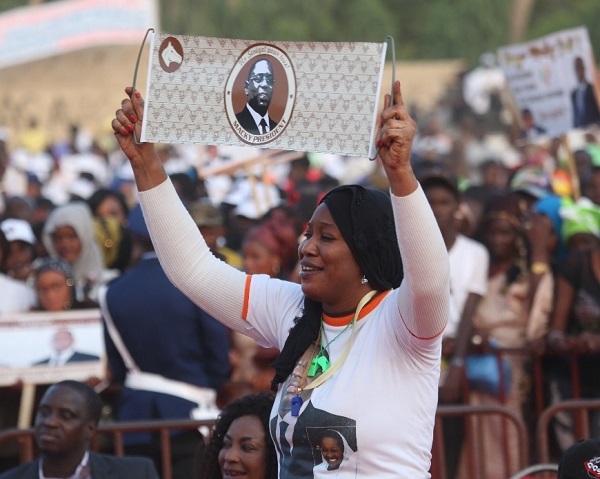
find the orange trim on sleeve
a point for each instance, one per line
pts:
(419, 337)
(246, 297)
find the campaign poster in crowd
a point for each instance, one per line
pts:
(554, 83)
(44, 347)
(301, 96)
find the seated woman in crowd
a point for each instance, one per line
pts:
(240, 444)
(54, 285)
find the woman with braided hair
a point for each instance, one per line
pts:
(360, 336)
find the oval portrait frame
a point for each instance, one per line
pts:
(284, 91)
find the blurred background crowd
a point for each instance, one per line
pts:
(520, 217)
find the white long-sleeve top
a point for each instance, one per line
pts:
(384, 396)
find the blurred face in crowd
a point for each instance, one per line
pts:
(501, 238)
(53, 291)
(583, 242)
(62, 423)
(579, 69)
(18, 262)
(67, 243)
(110, 207)
(244, 451)
(592, 187)
(444, 206)
(258, 259)
(211, 235)
(495, 176)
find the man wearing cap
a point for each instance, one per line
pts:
(581, 461)
(15, 296)
(21, 240)
(170, 356)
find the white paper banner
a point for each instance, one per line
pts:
(318, 97)
(29, 340)
(543, 77)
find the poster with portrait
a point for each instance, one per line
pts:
(553, 81)
(302, 96)
(44, 347)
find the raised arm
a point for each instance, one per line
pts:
(425, 290)
(212, 284)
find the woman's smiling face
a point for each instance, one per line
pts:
(244, 451)
(329, 273)
(67, 243)
(332, 452)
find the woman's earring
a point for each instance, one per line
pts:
(364, 280)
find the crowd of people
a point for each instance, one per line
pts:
(82, 227)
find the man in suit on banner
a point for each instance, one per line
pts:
(63, 351)
(254, 118)
(585, 108)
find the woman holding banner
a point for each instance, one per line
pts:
(360, 337)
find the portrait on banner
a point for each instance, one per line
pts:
(260, 94)
(43, 347)
(300, 96)
(552, 82)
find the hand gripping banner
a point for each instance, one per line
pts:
(303, 96)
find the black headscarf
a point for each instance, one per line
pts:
(365, 219)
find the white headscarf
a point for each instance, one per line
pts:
(88, 268)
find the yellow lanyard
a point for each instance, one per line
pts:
(338, 364)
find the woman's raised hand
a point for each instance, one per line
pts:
(394, 142)
(146, 165)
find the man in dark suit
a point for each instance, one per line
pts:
(62, 344)
(585, 107)
(254, 118)
(65, 423)
(170, 356)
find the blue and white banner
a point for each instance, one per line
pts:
(303, 96)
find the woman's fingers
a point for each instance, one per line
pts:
(137, 102)
(129, 116)
(398, 100)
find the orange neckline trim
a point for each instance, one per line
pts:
(344, 320)
(330, 320)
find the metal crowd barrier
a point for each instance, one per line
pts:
(472, 445)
